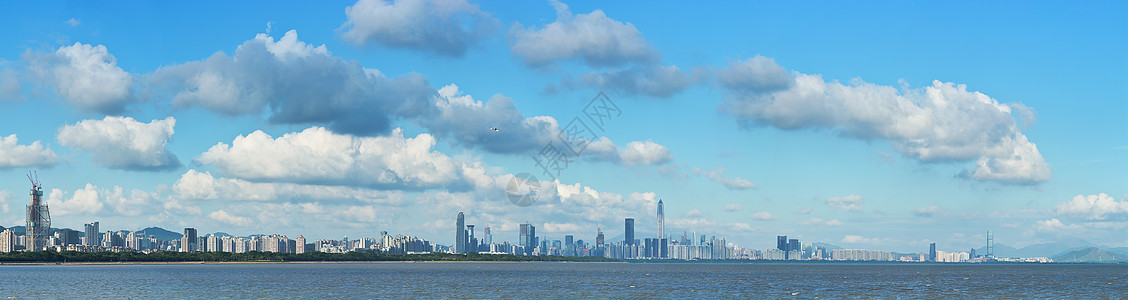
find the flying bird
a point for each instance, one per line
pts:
(494, 129)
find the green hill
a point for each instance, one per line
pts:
(1091, 255)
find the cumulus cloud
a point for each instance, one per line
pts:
(447, 27)
(299, 84)
(656, 81)
(14, 155)
(224, 217)
(734, 207)
(938, 123)
(1056, 226)
(763, 216)
(124, 143)
(84, 201)
(718, 175)
(635, 153)
(318, 156)
(846, 203)
(195, 185)
(88, 77)
(593, 38)
(693, 213)
(1093, 207)
(467, 122)
(927, 211)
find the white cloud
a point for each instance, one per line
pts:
(87, 76)
(133, 203)
(718, 175)
(318, 156)
(84, 201)
(593, 38)
(927, 211)
(857, 239)
(758, 74)
(763, 216)
(1093, 207)
(804, 211)
(223, 216)
(821, 222)
(14, 155)
(846, 203)
(467, 122)
(73, 22)
(447, 27)
(635, 153)
(124, 143)
(938, 123)
(693, 213)
(734, 207)
(300, 83)
(1056, 226)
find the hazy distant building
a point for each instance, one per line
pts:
(300, 245)
(990, 245)
(93, 238)
(460, 234)
(188, 243)
(628, 231)
(661, 221)
(471, 242)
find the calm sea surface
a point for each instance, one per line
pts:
(564, 280)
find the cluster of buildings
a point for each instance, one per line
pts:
(38, 236)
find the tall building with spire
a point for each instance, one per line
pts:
(460, 239)
(661, 220)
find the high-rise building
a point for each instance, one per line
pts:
(599, 242)
(488, 237)
(300, 245)
(471, 242)
(569, 246)
(188, 243)
(38, 229)
(990, 244)
(93, 238)
(7, 241)
(528, 238)
(460, 234)
(661, 221)
(628, 231)
(932, 252)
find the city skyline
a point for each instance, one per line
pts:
(336, 119)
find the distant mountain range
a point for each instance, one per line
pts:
(1091, 255)
(161, 233)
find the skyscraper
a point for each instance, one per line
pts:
(471, 241)
(93, 238)
(38, 228)
(528, 238)
(460, 234)
(990, 244)
(661, 221)
(488, 236)
(932, 252)
(628, 231)
(188, 241)
(781, 244)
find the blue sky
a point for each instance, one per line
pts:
(878, 125)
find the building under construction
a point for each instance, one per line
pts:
(38, 218)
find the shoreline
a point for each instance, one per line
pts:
(2, 264)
